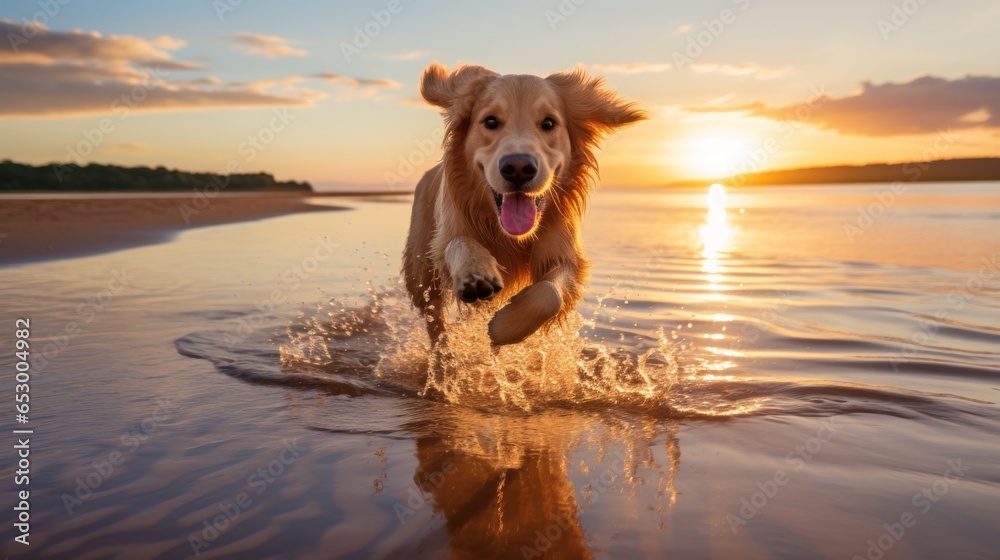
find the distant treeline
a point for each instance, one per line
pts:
(972, 169)
(93, 177)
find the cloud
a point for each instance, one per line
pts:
(381, 83)
(745, 69)
(268, 46)
(63, 73)
(171, 65)
(921, 106)
(45, 44)
(632, 68)
(412, 55)
(204, 81)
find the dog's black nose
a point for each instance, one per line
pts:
(518, 168)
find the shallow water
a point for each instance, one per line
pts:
(750, 377)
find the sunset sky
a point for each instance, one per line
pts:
(185, 83)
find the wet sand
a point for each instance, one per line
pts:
(33, 230)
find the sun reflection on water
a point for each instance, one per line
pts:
(714, 237)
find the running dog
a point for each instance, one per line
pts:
(498, 220)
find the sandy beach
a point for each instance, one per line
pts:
(38, 229)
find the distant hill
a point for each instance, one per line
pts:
(971, 169)
(93, 177)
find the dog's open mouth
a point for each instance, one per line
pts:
(518, 212)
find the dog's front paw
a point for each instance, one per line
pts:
(474, 272)
(525, 314)
(474, 287)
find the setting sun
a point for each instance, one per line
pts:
(715, 156)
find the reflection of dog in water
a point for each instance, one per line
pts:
(505, 490)
(501, 213)
(490, 512)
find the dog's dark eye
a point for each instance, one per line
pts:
(548, 124)
(491, 123)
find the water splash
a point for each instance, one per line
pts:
(375, 343)
(577, 363)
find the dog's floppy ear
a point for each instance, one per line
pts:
(590, 104)
(453, 92)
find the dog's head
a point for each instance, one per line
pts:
(529, 140)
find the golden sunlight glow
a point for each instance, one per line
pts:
(714, 237)
(716, 156)
(715, 233)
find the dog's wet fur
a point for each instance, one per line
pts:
(523, 142)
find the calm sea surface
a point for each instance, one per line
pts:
(789, 372)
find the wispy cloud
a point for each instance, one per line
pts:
(633, 68)
(921, 106)
(204, 81)
(745, 69)
(62, 73)
(352, 81)
(268, 46)
(411, 55)
(79, 45)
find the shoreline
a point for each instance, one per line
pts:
(40, 229)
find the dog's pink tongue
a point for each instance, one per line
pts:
(517, 213)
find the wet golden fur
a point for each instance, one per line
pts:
(456, 240)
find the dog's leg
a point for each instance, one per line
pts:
(475, 273)
(532, 307)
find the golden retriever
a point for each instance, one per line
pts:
(501, 213)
